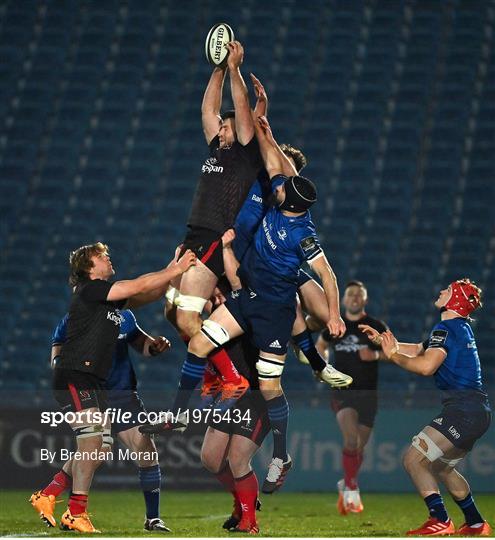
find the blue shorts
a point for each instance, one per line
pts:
(303, 278)
(126, 402)
(462, 427)
(269, 325)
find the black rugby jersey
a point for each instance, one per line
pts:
(346, 352)
(93, 326)
(226, 178)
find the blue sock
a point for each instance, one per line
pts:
(150, 479)
(192, 372)
(278, 413)
(435, 505)
(305, 342)
(471, 513)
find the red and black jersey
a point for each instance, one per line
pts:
(93, 327)
(226, 178)
(346, 352)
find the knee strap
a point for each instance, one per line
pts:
(451, 462)
(85, 432)
(215, 333)
(269, 368)
(172, 294)
(190, 303)
(426, 446)
(107, 438)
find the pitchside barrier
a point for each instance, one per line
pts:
(30, 452)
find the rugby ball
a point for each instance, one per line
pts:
(215, 49)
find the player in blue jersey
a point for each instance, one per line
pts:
(121, 386)
(451, 356)
(265, 308)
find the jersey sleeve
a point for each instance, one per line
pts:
(132, 329)
(60, 333)
(96, 290)
(440, 338)
(278, 180)
(309, 245)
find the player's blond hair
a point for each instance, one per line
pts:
(80, 261)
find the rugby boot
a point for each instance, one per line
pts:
(80, 523)
(352, 501)
(234, 391)
(277, 471)
(433, 527)
(340, 501)
(247, 525)
(480, 529)
(155, 524)
(211, 387)
(232, 522)
(45, 506)
(333, 377)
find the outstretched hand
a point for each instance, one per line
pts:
(187, 260)
(259, 89)
(159, 345)
(373, 335)
(236, 54)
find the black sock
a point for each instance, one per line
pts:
(305, 342)
(435, 505)
(471, 513)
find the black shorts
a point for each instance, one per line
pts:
(461, 426)
(364, 402)
(78, 390)
(254, 423)
(130, 403)
(208, 247)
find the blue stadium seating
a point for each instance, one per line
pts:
(101, 139)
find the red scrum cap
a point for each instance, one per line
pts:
(465, 297)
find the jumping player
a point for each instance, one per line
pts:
(226, 178)
(451, 356)
(356, 407)
(121, 386)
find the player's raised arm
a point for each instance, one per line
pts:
(335, 324)
(149, 283)
(261, 107)
(212, 103)
(243, 119)
(276, 162)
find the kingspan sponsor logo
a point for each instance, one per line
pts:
(268, 235)
(210, 167)
(115, 317)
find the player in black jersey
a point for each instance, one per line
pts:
(235, 436)
(355, 407)
(226, 177)
(79, 377)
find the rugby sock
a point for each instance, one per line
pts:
(468, 507)
(192, 372)
(278, 413)
(351, 461)
(305, 342)
(435, 505)
(247, 491)
(61, 481)
(150, 479)
(222, 361)
(226, 478)
(78, 503)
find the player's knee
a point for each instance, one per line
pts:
(89, 437)
(211, 461)
(188, 322)
(199, 345)
(269, 369)
(238, 464)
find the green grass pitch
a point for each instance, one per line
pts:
(120, 513)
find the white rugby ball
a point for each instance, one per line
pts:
(215, 49)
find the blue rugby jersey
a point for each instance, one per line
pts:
(252, 211)
(281, 244)
(459, 376)
(122, 375)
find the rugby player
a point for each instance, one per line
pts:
(231, 441)
(121, 387)
(227, 175)
(451, 356)
(86, 358)
(265, 306)
(356, 407)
